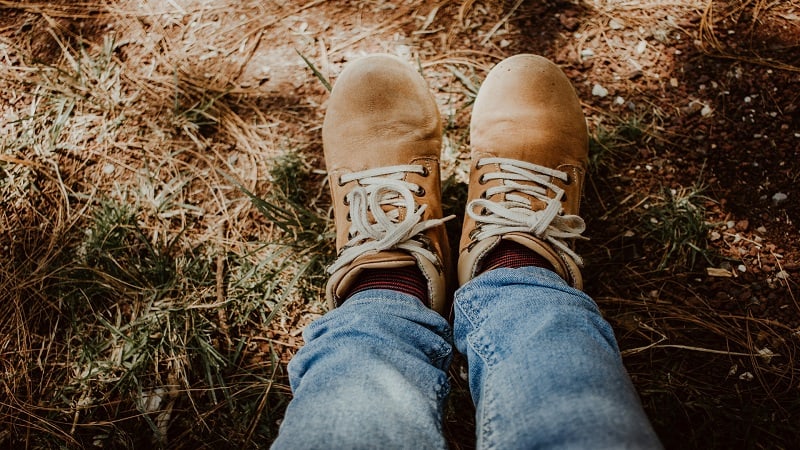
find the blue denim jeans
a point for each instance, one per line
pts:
(544, 371)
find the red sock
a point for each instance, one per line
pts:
(408, 280)
(512, 255)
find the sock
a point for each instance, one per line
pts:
(408, 280)
(512, 255)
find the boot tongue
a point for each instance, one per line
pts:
(535, 203)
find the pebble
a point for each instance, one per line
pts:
(706, 111)
(108, 169)
(782, 275)
(762, 229)
(587, 53)
(742, 268)
(615, 24)
(779, 198)
(599, 91)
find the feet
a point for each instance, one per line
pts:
(529, 154)
(382, 137)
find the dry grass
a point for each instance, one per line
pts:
(755, 14)
(164, 218)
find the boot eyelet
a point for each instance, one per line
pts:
(484, 195)
(349, 218)
(340, 183)
(420, 192)
(346, 201)
(425, 171)
(568, 181)
(481, 180)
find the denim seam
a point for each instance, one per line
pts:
(478, 342)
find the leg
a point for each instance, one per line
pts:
(373, 371)
(544, 368)
(373, 374)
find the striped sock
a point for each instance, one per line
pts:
(512, 255)
(408, 280)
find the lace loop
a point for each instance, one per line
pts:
(515, 215)
(375, 206)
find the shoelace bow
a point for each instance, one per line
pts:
(515, 214)
(377, 189)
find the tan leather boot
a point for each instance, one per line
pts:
(382, 138)
(529, 154)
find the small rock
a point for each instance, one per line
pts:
(779, 198)
(782, 275)
(762, 229)
(641, 47)
(108, 169)
(694, 107)
(587, 53)
(714, 236)
(615, 24)
(599, 91)
(706, 111)
(619, 101)
(766, 354)
(673, 82)
(730, 224)
(742, 268)
(747, 376)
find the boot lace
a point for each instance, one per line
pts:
(515, 213)
(375, 214)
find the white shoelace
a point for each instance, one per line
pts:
(515, 214)
(376, 189)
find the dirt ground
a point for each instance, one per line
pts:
(693, 109)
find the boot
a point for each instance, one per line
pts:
(382, 138)
(529, 156)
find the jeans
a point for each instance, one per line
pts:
(544, 371)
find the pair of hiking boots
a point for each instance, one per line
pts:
(382, 139)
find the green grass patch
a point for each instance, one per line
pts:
(675, 220)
